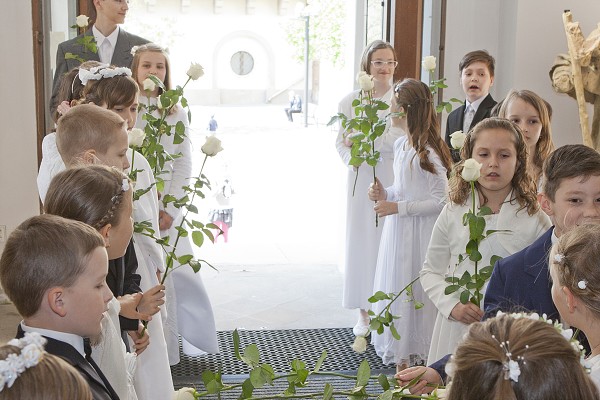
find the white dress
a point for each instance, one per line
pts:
(362, 237)
(594, 364)
(152, 377)
(421, 196)
(190, 312)
(449, 239)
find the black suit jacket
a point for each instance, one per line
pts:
(68, 353)
(457, 117)
(121, 57)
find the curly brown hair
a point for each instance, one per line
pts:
(524, 188)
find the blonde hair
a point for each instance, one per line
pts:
(43, 252)
(542, 353)
(524, 188)
(579, 254)
(544, 145)
(86, 127)
(51, 379)
(92, 194)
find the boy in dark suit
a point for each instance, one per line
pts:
(476, 78)
(570, 196)
(116, 51)
(54, 271)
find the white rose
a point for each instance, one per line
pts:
(82, 21)
(471, 170)
(457, 139)
(31, 355)
(361, 73)
(365, 82)
(149, 85)
(135, 137)
(429, 63)
(212, 146)
(360, 344)
(195, 71)
(185, 393)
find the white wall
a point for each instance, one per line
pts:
(18, 148)
(524, 37)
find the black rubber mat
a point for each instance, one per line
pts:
(278, 348)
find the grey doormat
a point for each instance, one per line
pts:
(278, 348)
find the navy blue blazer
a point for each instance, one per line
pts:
(456, 119)
(521, 281)
(101, 389)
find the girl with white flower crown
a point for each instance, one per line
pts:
(362, 236)
(499, 168)
(190, 310)
(575, 272)
(102, 197)
(518, 357)
(410, 207)
(114, 89)
(38, 374)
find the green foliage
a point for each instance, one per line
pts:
(325, 33)
(434, 86)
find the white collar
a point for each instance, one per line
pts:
(74, 340)
(112, 38)
(474, 104)
(553, 237)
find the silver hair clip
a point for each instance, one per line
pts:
(559, 258)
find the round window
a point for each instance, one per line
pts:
(242, 63)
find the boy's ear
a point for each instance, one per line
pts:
(55, 299)
(545, 204)
(89, 157)
(105, 232)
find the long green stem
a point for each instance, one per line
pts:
(397, 296)
(476, 297)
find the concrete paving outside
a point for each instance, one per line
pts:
(279, 268)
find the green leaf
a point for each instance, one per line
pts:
(383, 381)
(328, 392)
(394, 332)
(476, 227)
(452, 279)
(355, 102)
(387, 395)
(257, 378)
(483, 211)
(251, 355)
(475, 256)
(464, 296)
(375, 325)
(184, 259)
(363, 374)
(451, 289)
(378, 296)
(466, 277)
(247, 389)
(494, 259)
(333, 120)
(320, 361)
(198, 238)
(236, 344)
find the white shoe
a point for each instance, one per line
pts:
(360, 329)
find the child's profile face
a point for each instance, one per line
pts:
(116, 154)
(576, 202)
(120, 235)
(476, 80)
(495, 150)
(128, 112)
(528, 118)
(86, 300)
(151, 63)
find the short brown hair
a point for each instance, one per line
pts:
(119, 90)
(569, 161)
(524, 189)
(51, 379)
(478, 364)
(475, 56)
(92, 194)
(86, 127)
(365, 62)
(43, 252)
(580, 261)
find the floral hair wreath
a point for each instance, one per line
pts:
(32, 352)
(100, 72)
(512, 368)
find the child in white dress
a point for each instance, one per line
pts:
(410, 207)
(189, 308)
(362, 236)
(574, 269)
(509, 191)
